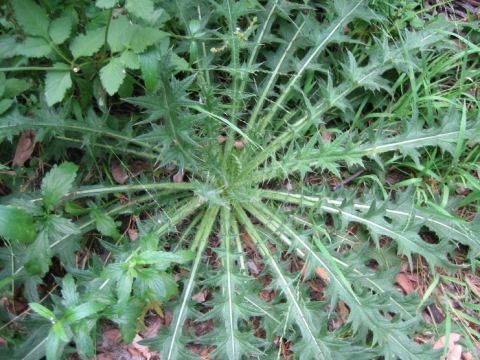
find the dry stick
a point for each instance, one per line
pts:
(349, 179)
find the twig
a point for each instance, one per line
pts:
(349, 179)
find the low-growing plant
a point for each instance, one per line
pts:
(246, 100)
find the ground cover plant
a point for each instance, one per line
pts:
(177, 158)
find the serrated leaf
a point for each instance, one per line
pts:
(145, 37)
(8, 46)
(106, 225)
(57, 183)
(105, 4)
(83, 340)
(69, 291)
(60, 29)
(87, 44)
(39, 256)
(82, 311)
(57, 82)
(141, 8)
(52, 346)
(42, 311)
(112, 76)
(119, 33)
(31, 17)
(126, 315)
(130, 60)
(150, 69)
(16, 225)
(34, 47)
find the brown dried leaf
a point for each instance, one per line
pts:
(473, 282)
(454, 351)
(200, 297)
(132, 234)
(221, 139)
(238, 144)
(248, 242)
(25, 147)
(343, 311)
(326, 135)
(142, 349)
(178, 177)
(322, 273)
(118, 172)
(405, 283)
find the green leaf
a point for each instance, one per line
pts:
(164, 257)
(57, 83)
(34, 47)
(105, 4)
(5, 105)
(112, 76)
(150, 69)
(69, 291)
(145, 37)
(87, 44)
(16, 225)
(119, 33)
(31, 17)
(8, 46)
(14, 87)
(82, 311)
(59, 331)
(60, 29)
(42, 311)
(39, 256)
(57, 183)
(53, 345)
(126, 315)
(130, 60)
(83, 340)
(106, 225)
(141, 8)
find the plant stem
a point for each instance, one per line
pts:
(107, 28)
(109, 147)
(33, 68)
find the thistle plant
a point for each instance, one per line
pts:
(247, 100)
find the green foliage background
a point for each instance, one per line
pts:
(248, 99)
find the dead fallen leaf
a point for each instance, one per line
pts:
(405, 283)
(110, 337)
(253, 267)
(25, 147)
(132, 234)
(454, 351)
(178, 177)
(248, 242)
(200, 297)
(119, 173)
(322, 273)
(473, 282)
(343, 311)
(221, 139)
(468, 356)
(238, 144)
(104, 357)
(142, 349)
(326, 135)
